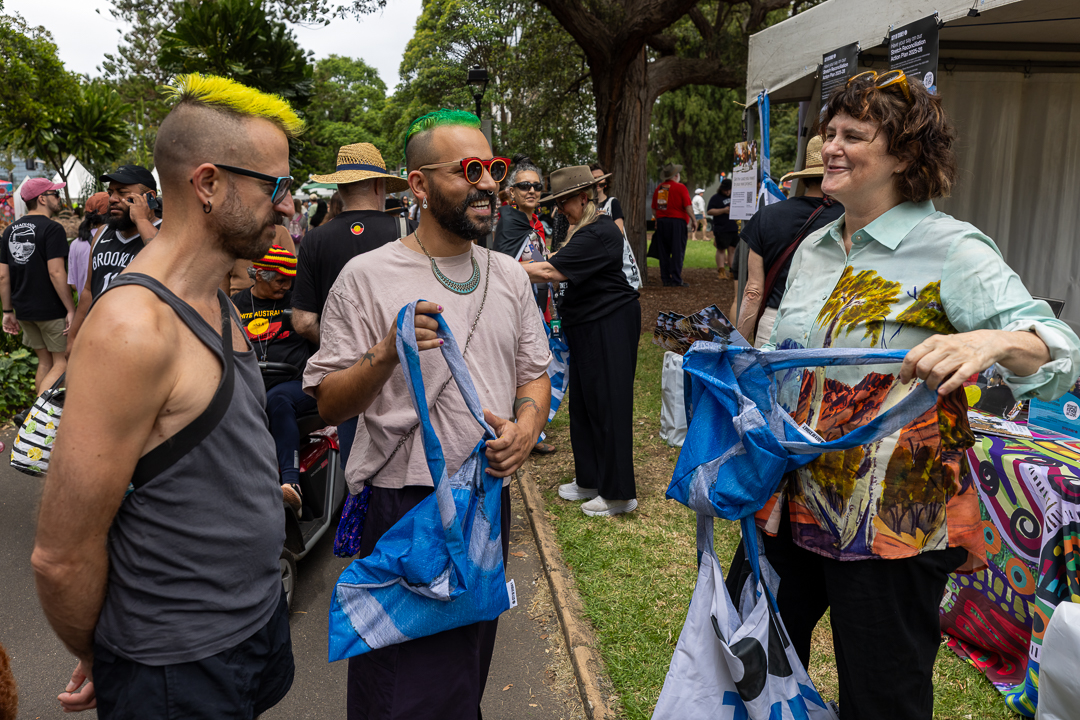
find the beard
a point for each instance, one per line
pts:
(455, 218)
(242, 234)
(123, 224)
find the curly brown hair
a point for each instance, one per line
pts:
(917, 132)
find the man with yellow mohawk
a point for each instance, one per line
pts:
(169, 594)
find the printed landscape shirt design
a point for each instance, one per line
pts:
(911, 274)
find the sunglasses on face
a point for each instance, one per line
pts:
(884, 80)
(473, 168)
(526, 186)
(50, 193)
(281, 184)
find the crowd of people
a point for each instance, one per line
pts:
(176, 450)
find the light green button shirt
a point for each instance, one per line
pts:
(911, 273)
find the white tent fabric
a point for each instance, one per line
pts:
(157, 178)
(79, 179)
(20, 206)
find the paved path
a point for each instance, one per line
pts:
(530, 675)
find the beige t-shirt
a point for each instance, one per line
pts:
(508, 350)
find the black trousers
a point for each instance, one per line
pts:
(603, 361)
(441, 676)
(884, 615)
(671, 236)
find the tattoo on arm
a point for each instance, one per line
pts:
(523, 403)
(369, 358)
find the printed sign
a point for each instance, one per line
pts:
(744, 181)
(913, 48)
(836, 68)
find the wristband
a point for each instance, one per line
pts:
(7, 311)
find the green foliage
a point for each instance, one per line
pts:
(346, 107)
(696, 126)
(784, 134)
(539, 96)
(48, 112)
(17, 368)
(237, 39)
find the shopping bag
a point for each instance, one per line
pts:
(735, 662)
(740, 442)
(32, 449)
(441, 565)
(672, 401)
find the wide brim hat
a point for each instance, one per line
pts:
(814, 166)
(359, 162)
(670, 171)
(568, 181)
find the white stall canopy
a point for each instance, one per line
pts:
(1009, 78)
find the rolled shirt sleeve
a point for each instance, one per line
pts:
(981, 292)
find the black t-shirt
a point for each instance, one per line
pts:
(26, 248)
(592, 262)
(612, 208)
(721, 224)
(774, 227)
(112, 252)
(326, 249)
(262, 323)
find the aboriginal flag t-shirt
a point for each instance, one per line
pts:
(270, 332)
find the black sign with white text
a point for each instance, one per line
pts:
(836, 67)
(913, 48)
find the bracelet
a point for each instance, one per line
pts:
(7, 311)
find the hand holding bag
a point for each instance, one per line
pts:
(735, 663)
(441, 565)
(740, 442)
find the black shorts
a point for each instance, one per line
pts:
(725, 240)
(236, 684)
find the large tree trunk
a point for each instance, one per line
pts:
(624, 113)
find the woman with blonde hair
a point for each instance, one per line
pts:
(601, 319)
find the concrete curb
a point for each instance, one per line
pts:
(580, 641)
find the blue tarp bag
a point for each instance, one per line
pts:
(740, 442)
(440, 566)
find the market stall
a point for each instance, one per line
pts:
(1009, 77)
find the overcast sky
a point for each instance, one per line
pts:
(84, 31)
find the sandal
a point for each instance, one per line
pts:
(543, 449)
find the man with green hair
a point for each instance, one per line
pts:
(169, 594)
(486, 299)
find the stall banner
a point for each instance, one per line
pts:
(744, 181)
(995, 618)
(1061, 415)
(836, 67)
(913, 48)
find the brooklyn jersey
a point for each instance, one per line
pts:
(109, 258)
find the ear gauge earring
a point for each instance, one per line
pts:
(425, 204)
(207, 207)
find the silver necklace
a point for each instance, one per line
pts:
(461, 288)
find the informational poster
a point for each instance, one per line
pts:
(837, 67)
(744, 181)
(913, 48)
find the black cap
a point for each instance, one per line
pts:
(131, 175)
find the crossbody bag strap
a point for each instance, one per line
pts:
(176, 447)
(774, 271)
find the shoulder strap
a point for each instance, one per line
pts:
(402, 226)
(774, 271)
(173, 449)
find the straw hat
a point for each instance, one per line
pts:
(670, 171)
(362, 161)
(571, 180)
(815, 167)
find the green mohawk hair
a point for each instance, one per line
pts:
(235, 97)
(436, 119)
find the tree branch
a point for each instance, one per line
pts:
(702, 25)
(663, 44)
(668, 73)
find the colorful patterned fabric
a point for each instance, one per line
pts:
(995, 618)
(911, 273)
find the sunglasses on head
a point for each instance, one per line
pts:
(473, 168)
(281, 184)
(884, 80)
(526, 186)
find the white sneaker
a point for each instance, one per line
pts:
(573, 491)
(598, 506)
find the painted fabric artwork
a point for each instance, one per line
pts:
(995, 618)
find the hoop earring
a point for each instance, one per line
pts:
(425, 204)
(207, 207)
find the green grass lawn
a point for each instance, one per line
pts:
(636, 572)
(699, 254)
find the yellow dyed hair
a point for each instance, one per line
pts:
(229, 95)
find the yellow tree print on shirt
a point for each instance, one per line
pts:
(863, 298)
(927, 311)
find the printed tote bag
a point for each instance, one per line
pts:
(441, 565)
(740, 442)
(737, 664)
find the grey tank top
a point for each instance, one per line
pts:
(193, 551)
